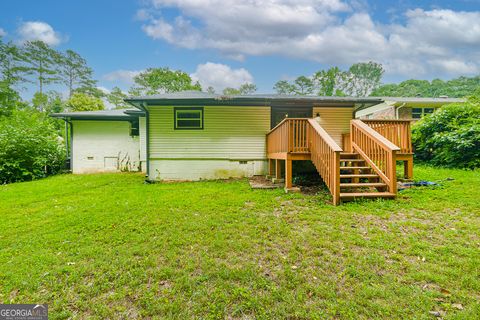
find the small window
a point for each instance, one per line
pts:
(418, 113)
(190, 118)
(134, 128)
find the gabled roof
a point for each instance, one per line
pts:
(115, 114)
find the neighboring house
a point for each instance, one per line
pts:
(107, 140)
(194, 135)
(404, 108)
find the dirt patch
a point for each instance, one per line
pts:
(261, 182)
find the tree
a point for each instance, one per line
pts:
(284, 87)
(456, 88)
(74, 71)
(303, 86)
(83, 102)
(211, 90)
(362, 78)
(12, 74)
(162, 80)
(29, 147)
(39, 101)
(41, 62)
(329, 82)
(244, 89)
(116, 97)
(451, 135)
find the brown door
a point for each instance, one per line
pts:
(281, 112)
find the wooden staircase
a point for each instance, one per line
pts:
(358, 180)
(368, 171)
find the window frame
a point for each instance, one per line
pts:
(422, 112)
(201, 118)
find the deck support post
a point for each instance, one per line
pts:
(288, 174)
(278, 169)
(408, 168)
(271, 167)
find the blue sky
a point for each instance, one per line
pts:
(226, 43)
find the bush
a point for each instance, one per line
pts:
(450, 137)
(29, 147)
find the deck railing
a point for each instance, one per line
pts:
(396, 131)
(325, 155)
(289, 136)
(377, 150)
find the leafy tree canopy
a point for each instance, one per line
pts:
(451, 135)
(246, 88)
(359, 80)
(83, 102)
(162, 80)
(74, 72)
(29, 147)
(456, 88)
(116, 97)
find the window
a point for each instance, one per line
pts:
(418, 113)
(134, 128)
(190, 118)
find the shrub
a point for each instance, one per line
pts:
(450, 137)
(29, 147)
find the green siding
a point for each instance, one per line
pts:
(229, 133)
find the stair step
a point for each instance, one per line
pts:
(348, 155)
(364, 184)
(360, 168)
(352, 160)
(352, 195)
(359, 175)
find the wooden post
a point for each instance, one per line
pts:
(408, 168)
(271, 167)
(336, 175)
(393, 173)
(278, 169)
(288, 174)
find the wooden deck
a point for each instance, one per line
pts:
(373, 149)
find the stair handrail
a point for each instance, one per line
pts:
(397, 131)
(325, 155)
(290, 135)
(376, 150)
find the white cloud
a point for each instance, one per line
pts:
(3, 33)
(327, 31)
(125, 76)
(220, 76)
(38, 30)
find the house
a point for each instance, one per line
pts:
(196, 135)
(106, 140)
(405, 108)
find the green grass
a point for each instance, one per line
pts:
(110, 246)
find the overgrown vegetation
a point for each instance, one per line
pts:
(451, 135)
(110, 246)
(29, 147)
(460, 87)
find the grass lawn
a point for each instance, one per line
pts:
(109, 246)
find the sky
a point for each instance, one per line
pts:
(224, 43)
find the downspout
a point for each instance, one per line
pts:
(69, 141)
(147, 137)
(397, 115)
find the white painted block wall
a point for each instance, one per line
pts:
(104, 146)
